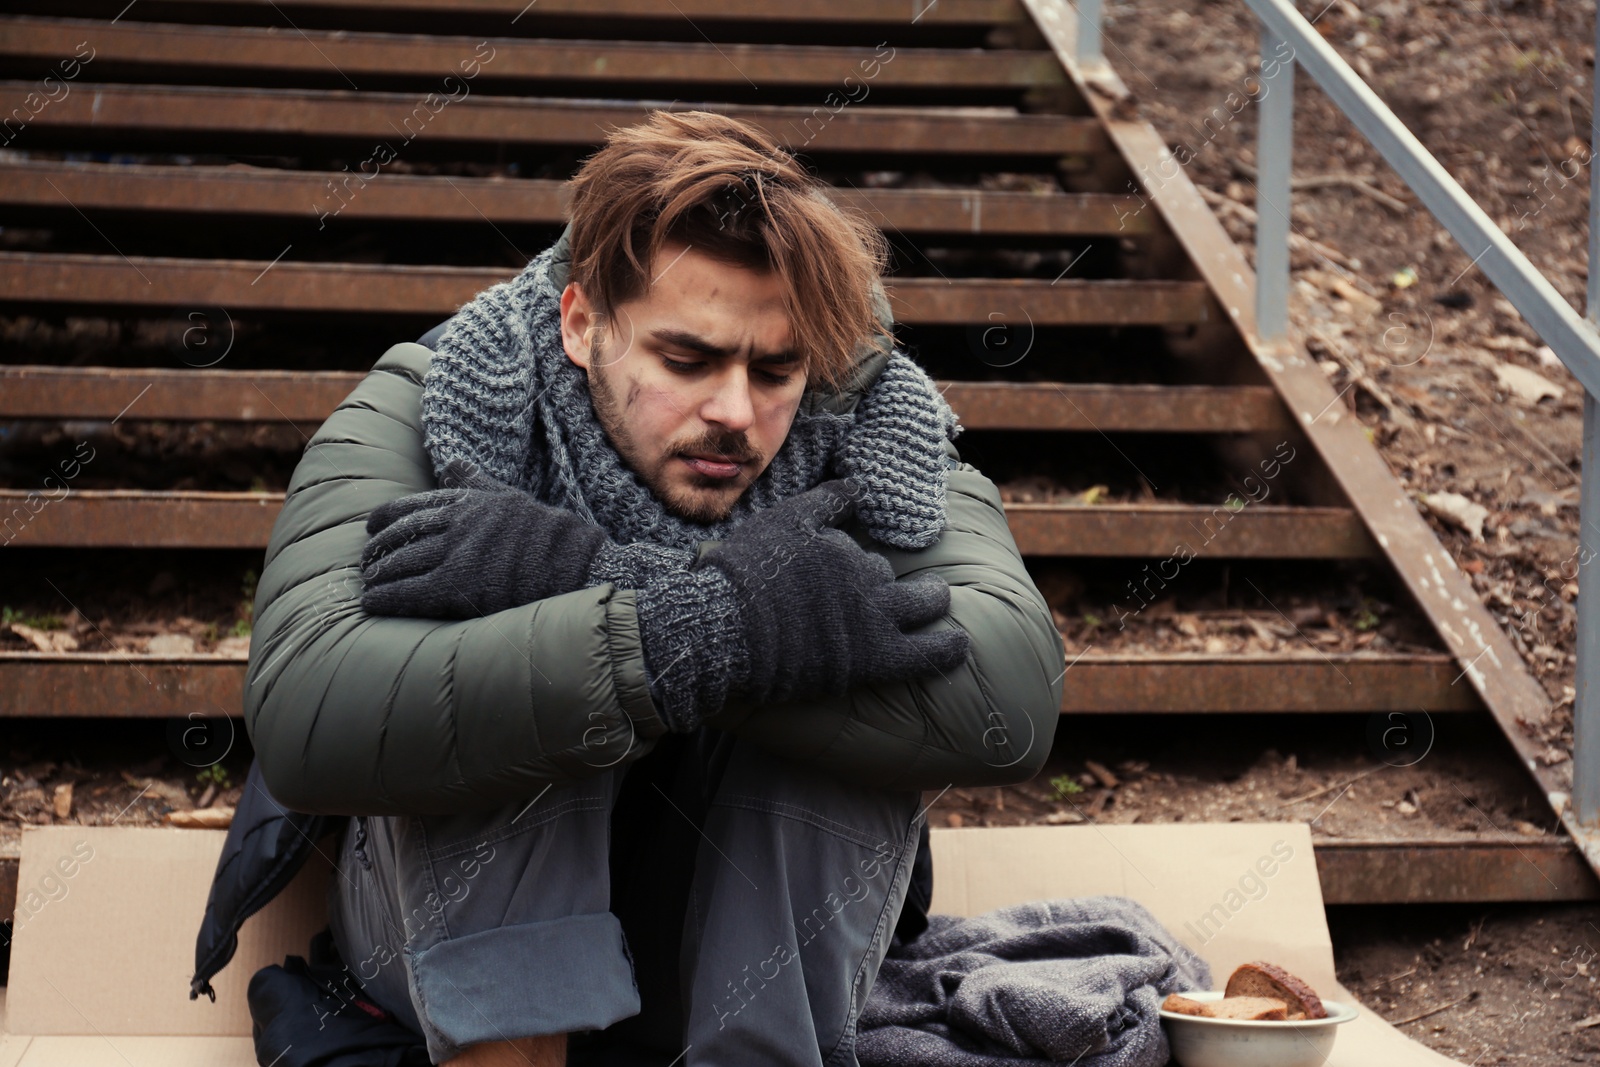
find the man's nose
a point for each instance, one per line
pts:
(729, 405)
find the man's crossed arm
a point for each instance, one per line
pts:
(789, 607)
(352, 712)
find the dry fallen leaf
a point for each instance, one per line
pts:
(46, 640)
(233, 646)
(1552, 756)
(1508, 343)
(1101, 774)
(1365, 306)
(206, 819)
(170, 645)
(1526, 384)
(172, 794)
(62, 802)
(1092, 495)
(1457, 509)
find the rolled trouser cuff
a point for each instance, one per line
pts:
(525, 980)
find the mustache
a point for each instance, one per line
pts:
(734, 447)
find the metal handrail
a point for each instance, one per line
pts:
(1574, 339)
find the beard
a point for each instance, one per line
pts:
(693, 496)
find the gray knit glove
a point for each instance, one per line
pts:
(787, 607)
(471, 548)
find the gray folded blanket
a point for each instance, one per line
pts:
(1076, 981)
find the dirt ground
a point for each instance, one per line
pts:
(1516, 983)
(1327, 770)
(1459, 395)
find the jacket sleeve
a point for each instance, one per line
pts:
(989, 722)
(352, 713)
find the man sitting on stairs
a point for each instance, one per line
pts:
(713, 520)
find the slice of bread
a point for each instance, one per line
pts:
(1185, 1006)
(1261, 979)
(1256, 1009)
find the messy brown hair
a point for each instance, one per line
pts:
(730, 191)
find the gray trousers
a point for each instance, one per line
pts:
(709, 904)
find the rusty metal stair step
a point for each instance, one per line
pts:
(457, 115)
(1265, 682)
(1116, 408)
(1177, 532)
(136, 685)
(1481, 870)
(351, 288)
(887, 12)
(203, 49)
(243, 190)
(137, 518)
(106, 685)
(44, 392)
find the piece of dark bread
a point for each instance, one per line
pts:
(1185, 1006)
(1260, 979)
(1254, 1009)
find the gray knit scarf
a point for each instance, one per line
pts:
(501, 392)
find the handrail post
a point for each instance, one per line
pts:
(1089, 18)
(1585, 710)
(1274, 166)
(1585, 715)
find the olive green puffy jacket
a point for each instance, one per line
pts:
(355, 714)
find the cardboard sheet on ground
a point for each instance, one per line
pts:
(102, 958)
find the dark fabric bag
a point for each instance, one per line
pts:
(314, 1014)
(265, 847)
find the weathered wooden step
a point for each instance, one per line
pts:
(41, 392)
(417, 198)
(457, 115)
(353, 288)
(136, 518)
(177, 48)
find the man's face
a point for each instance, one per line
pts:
(694, 382)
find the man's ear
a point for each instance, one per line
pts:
(578, 323)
